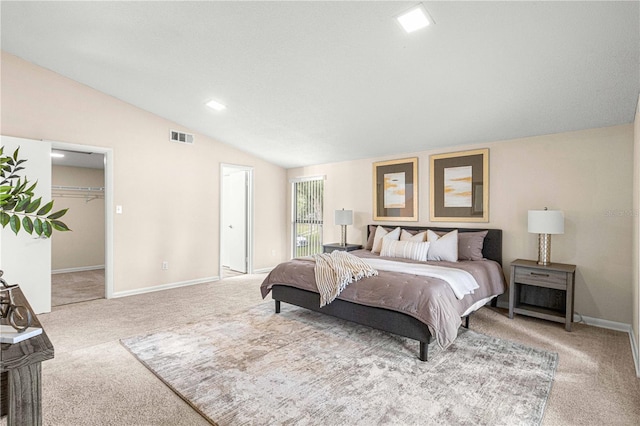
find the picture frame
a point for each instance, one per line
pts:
(459, 186)
(395, 190)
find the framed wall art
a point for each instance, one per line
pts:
(459, 186)
(395, 190)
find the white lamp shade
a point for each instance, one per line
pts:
(344, 217)
(546, 222)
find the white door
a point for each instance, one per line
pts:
(26, 259)
(235, 201)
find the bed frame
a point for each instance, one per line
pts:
(379, 318)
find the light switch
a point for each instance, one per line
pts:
(118, 209)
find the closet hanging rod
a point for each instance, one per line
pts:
(78, 188)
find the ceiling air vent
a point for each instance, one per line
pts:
(180, 137)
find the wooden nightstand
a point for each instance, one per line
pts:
(542, 291)
(328, 248)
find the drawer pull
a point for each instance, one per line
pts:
(537, 274)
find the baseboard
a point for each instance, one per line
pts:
(163, 287)
(597, 322)
(78, 269)
(634, 351)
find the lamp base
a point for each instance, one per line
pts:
(544, 249)
(343, 235)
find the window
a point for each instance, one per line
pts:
(308, 195)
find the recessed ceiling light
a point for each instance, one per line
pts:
(57, 155)
(216, 105)
(415, 18)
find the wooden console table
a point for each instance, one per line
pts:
(20, 374)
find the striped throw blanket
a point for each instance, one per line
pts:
(336, 270)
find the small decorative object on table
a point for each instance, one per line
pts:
(18, 316)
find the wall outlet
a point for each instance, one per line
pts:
(273, 252)
(165, 265)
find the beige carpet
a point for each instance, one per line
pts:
(93, 380)
(74, 287)
(305, 368)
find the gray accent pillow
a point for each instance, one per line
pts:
(470, 245)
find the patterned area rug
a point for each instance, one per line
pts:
(301, 367)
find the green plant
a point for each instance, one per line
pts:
(18, 207)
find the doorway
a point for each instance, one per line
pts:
(81, 260)
(235, 220)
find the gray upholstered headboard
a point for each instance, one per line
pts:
(492, 248)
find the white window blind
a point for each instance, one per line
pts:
(308, 200)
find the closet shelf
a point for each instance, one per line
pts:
(89, 193)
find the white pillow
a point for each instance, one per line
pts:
(443, 248)
(383, 233)
(407, 236)
(414, 250)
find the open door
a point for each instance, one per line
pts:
(26, 259)
(235, 221)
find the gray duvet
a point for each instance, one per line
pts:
(430, 300)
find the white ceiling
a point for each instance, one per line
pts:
(316, 82)
(91, 160)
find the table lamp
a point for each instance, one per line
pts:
(343, 218)
(544, 223)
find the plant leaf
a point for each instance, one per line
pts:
(45, 209)
(10, 204)
(33, 206)
(37, 226)
(15, 154)
(4, 219)
(59, 226)
(22, 204)
(15, 223)
(31, 188)
(27, 224)
(46, 229)
(57, 214)
(19, 186)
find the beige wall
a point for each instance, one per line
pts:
(587, 174)
(84, 246)
(169, 192)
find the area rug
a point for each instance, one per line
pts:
(302, 367)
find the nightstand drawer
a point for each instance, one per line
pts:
(543, 278)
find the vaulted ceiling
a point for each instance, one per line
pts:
(316, 82)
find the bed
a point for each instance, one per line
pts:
(405, 304)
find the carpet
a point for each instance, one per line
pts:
(74, 287)
(302, 367)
